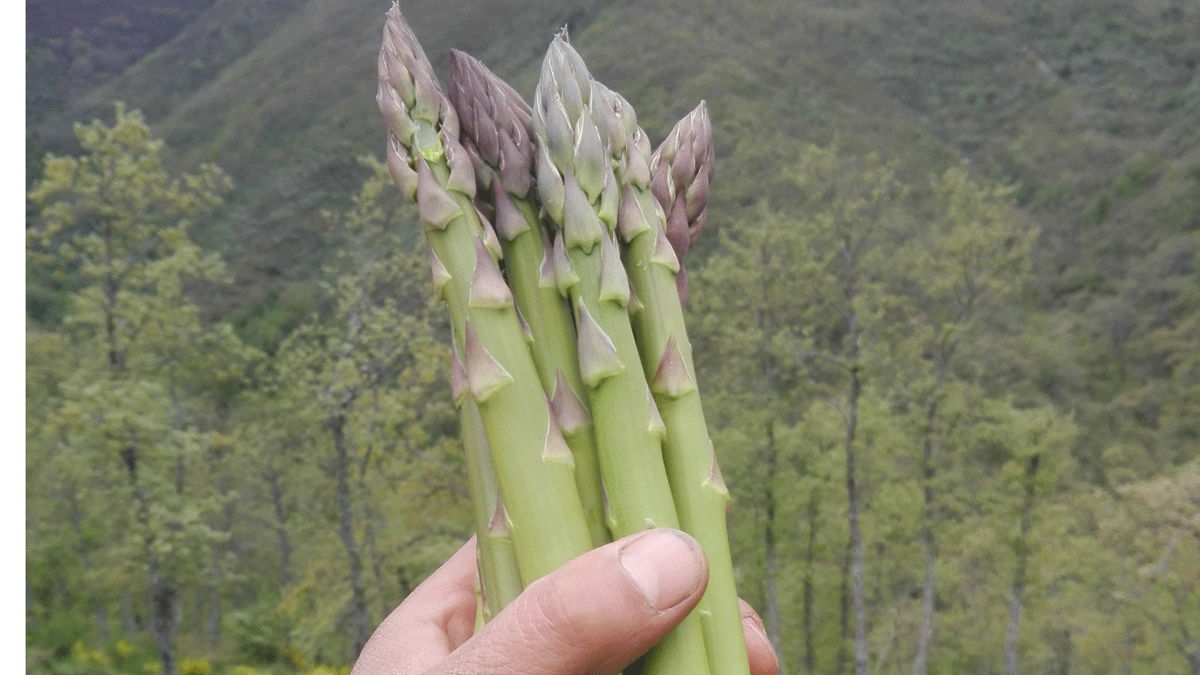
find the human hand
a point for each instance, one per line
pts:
(595, 615)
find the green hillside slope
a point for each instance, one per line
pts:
(1064, 99)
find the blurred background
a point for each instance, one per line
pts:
(950, 275)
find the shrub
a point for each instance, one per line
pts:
(57, 634)
(82, 654)
(294, 658)
(259, 631)
(122, 650)
(195, 667)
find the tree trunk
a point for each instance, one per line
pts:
(165, 617)
(217, 556)
(1018, 582)
(165, 606)
(1067, 653)
(369, 516)
(360, 621)
(1187, 645)
(770, 557)
(925, 640)
(214, 608)
(281, 532)
(129, 622)
(928, 588)
(94, 598)
(856, 544)
(809, 560)
(844, 618)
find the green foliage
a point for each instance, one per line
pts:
(122, 418)
(355, 424)
(259, 631)
(912, 290)
(195, 666)
(267, 323)
(57, 634)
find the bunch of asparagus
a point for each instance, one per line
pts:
(556, 239)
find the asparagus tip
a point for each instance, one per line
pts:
(564, 272)
(663, 253)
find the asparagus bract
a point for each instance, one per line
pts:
(574, 161)
(544, 514)
(498, 123)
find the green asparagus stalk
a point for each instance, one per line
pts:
(579, 191)
(534, 472)
(497, 130)
(500, 581)
(696, 484)
(496, 558)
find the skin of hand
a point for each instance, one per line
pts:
(593, 616)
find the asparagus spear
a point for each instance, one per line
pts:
(497, 125)
(534, 471)
(696, 484)
(579, 191)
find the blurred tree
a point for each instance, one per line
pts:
(1153, 526)
(793, 311)
(849, 220)
(1031, 446)
(746, 317)
(964, 270)
(122, 434)
(366, 382)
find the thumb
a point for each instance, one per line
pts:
(596, 614)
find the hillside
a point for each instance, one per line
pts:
(1064, 101)
(281, 95)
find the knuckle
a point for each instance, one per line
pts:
(557, 621)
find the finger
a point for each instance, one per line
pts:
(596, 614)
(763, 660)
(432, 621)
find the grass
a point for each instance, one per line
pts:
(124, 657)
